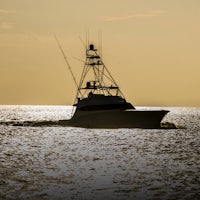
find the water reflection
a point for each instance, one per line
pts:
(76, 163)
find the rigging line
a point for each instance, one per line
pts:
(109, 77)
(83, 42)
(95, 70)
(84, 73)
(69, 67)
(109, 74)
(79, 59)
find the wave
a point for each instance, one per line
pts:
(63, 123)
(30, 123)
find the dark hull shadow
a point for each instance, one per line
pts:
(106, 120)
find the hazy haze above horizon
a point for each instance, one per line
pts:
(150, 47)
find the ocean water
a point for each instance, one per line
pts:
(54, 162)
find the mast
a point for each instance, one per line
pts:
(96, 78)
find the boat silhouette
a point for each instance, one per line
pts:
(100, 103)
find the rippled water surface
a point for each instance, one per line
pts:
(51, 162)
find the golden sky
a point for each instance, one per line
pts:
(151, 47)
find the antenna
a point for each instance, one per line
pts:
(100, 42)
(88, 37)
(83, 42)
(69, 67)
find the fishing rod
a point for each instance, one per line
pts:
(69, 67)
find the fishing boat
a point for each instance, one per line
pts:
(100, 103)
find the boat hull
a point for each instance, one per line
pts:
(116, 119)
